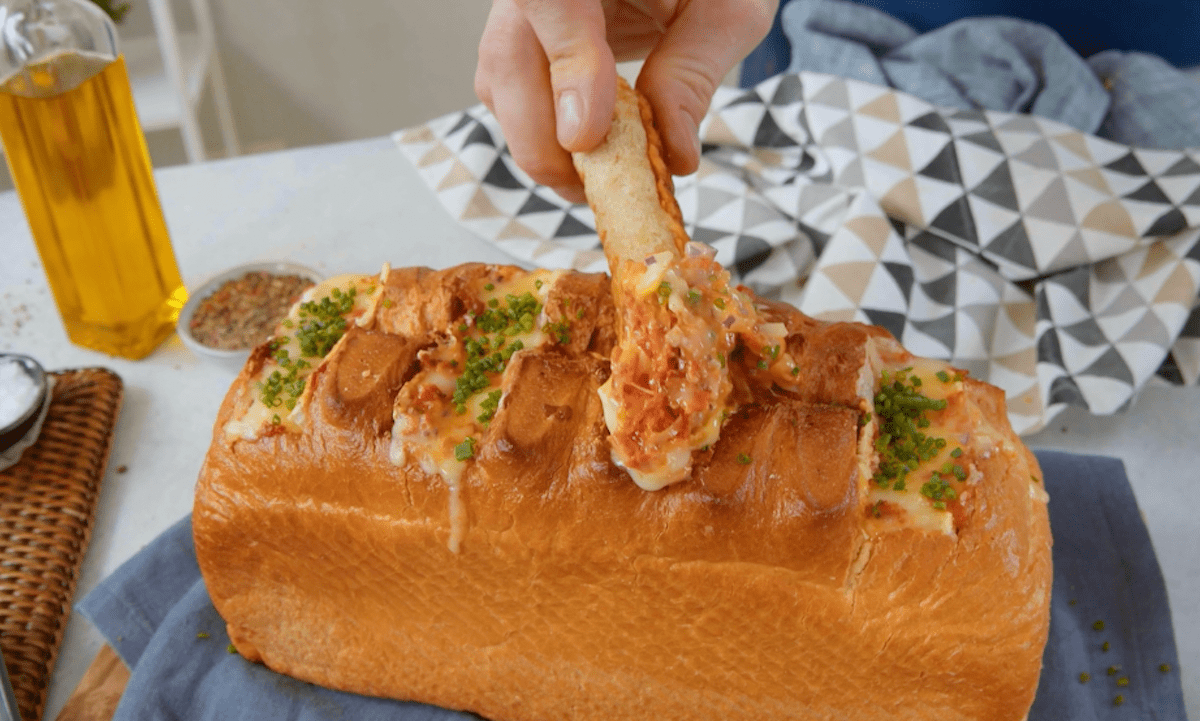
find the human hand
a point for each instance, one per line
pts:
(547, 71)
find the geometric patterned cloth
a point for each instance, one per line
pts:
(1059, 266)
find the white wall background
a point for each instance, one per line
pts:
(303, 72)
(306, 72)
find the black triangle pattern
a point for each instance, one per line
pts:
(463, 121)
(708, 236)
(790, 90)
(1127, 164)
(500, 176)
(536, 204)
(1185, 166)
(1169, 223)
(1013, 245)
(750, 96)
(936, 246)
(984, 139)
(931, 121)
(1064, 390)
(892, 321)
(944, 290)
(1194, 198)
(1086, 331)
(944, 329)
(1191, 327)
(944, 166)
(769, 134)
(1149, 193)
(957, 220)
(1194, 252)
(902, 273)
(997, 188)
(1169, 370)
(821, 239)
(1110, 365)
(479, 134)
(571, 227)
(1049, 350)
(1077, 281)
(749, 253)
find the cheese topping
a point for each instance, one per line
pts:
(442, 411)
(312, 328)
(925, 446)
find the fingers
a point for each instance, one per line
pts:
(583, 73)
(681, 74)
(513, 81)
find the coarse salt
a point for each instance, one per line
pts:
(18, 392)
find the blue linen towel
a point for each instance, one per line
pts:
(156, 614)
(998, 63)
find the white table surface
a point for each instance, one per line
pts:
(349, 208)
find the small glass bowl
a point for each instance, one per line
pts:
(234, 359)
(17, 431)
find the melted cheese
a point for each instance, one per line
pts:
(257, 417)
(914, 509)
(426, 427)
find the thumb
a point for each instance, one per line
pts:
(683, 71)
(583, 73)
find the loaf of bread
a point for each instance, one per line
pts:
(411, 493)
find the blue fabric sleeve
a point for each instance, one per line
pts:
(1002, 64)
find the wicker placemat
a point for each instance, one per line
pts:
(47, 503)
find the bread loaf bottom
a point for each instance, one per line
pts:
(769, 585)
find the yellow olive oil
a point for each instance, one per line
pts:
(80, 165)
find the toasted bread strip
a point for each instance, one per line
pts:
(680, 323)
(629, 187)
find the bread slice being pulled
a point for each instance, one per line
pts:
(413, 492)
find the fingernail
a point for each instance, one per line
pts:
(676, 161)
(570, 117)
(693, 133)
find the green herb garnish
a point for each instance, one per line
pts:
(489, 406)
(465, 450)
(902, 445)
(323, 323)
(664, 292)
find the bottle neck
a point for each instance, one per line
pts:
(36, 35)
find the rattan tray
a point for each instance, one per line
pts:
(47, 504)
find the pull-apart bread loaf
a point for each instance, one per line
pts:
(548, 495)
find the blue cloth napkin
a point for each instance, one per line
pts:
(156, 614)
(1000, 63)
